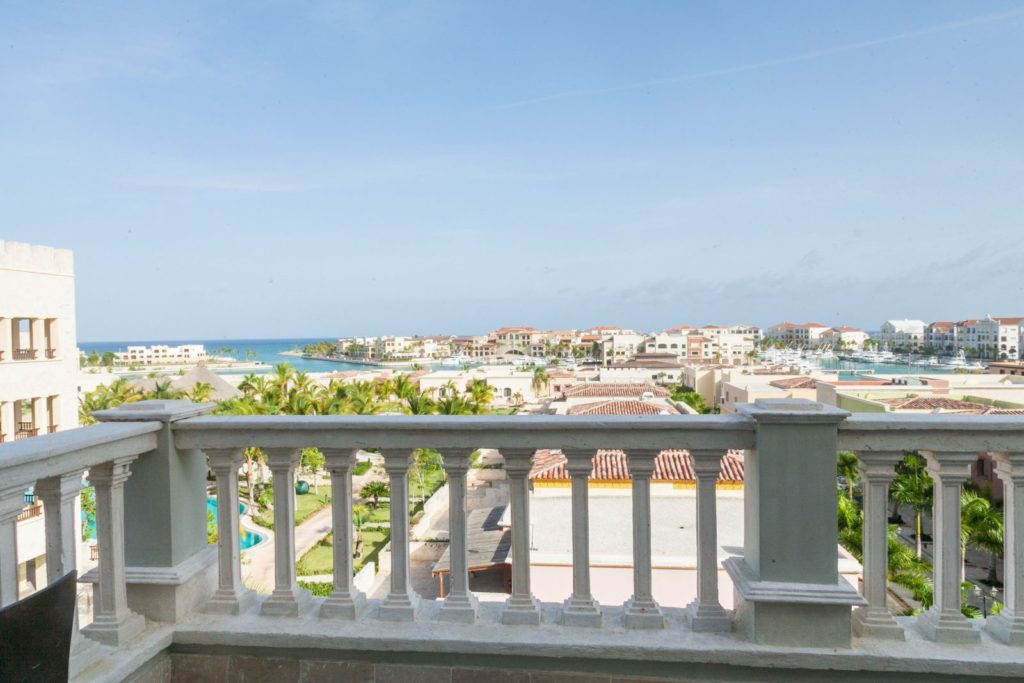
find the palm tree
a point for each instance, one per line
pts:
(122, 391)
(481, 393)
(402, 386)
(281, 377)
(164, 390)
(200, 393)
(913, 486)
(374, 490)
(846, 467)
(253, 459)
(454, 405)
(981, 525)
(541, 380)
(419, 403)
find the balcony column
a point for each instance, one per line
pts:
(401, 603)
(52, 330)
(580, 609)
(460, 604)
(6, 348)
(40, 418)
(11, 502)
(344, 602)
(230, 597)
(641, 611)
(877, 470)
(1008, 625)
(706, 613)
(63, 526)
(8, 424)
(286, 600)
(37, 337)
(944, 622)
(113, 623)
(788, 590)
(521, 608)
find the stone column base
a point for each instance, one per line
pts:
(1007, 627)
(110, 631)
(462, 609)
(399, 608)
(708, 618)
(868, 623)
(285, 603)
(792, 614)
(169, 593)
(343, 607)
(582, 612)
(644, 614)
(521, 612)
(947, 627)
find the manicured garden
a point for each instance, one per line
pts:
(305, 504)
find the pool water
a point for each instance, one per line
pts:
(247, 539)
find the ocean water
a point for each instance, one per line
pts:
(267, 351)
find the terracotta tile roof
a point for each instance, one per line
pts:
(679, 328)
(932, 403)
(942, 324)
(795, 383)
(610, 390)
(1009, 321)
(846, 328)
(612, 465)
(623, 408)
(1004, 411)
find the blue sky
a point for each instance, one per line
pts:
(276, 169)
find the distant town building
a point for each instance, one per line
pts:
(844, 337)
(160, 354)
(798, 335)
(902, 334)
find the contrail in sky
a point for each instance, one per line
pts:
(789, 59)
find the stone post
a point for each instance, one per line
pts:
(460, 604)
(1008, 625)
(401, 603)
(230, 597)
(580, 609)
(11, 502)
(6, 348)
(641, 611)
(8, 424)
(286, 600)
(521, 608)
(788, 590)
(113, 622)
(877, 470)
(706, 613)
(944, 622)
(171, 570)
(344, 602)
(37, 337)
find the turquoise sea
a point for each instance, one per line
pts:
(266, 350)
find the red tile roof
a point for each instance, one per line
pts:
(623, 408)
(795, 383)
(1004, 411)
(1009, 321)
(610, 390)
(611, 465)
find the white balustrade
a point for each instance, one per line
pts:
(286, 600)
(706, 613)
(344, 602)
(112, 622)
(401, 602)
(580, 609)
(877, 470)
(641, 611)
(230, 597)
(12, 500)
(521, 608)
(1008, 625)
(460, 604)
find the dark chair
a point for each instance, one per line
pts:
(35, 634)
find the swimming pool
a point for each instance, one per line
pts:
(247, 539)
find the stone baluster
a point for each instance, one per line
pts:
(706, 613)
(401, 603)
(230, 597)
(460, 604)
(63, 532)
(641, 611)
(286, 599)
(113, 623)
(944, 622)
(344, 602)
(580, 609)
(877, 470)
(521, 607)
(1008, 625)
(12, 500)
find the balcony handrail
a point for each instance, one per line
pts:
(723, 432)
(931, 432)
(24, 462)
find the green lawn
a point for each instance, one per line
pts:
(305, 505)
(432, 481)
(362, 467)
(320, 558)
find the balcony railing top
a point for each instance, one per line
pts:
(932, 432)
(24, 462)
(487, 431)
